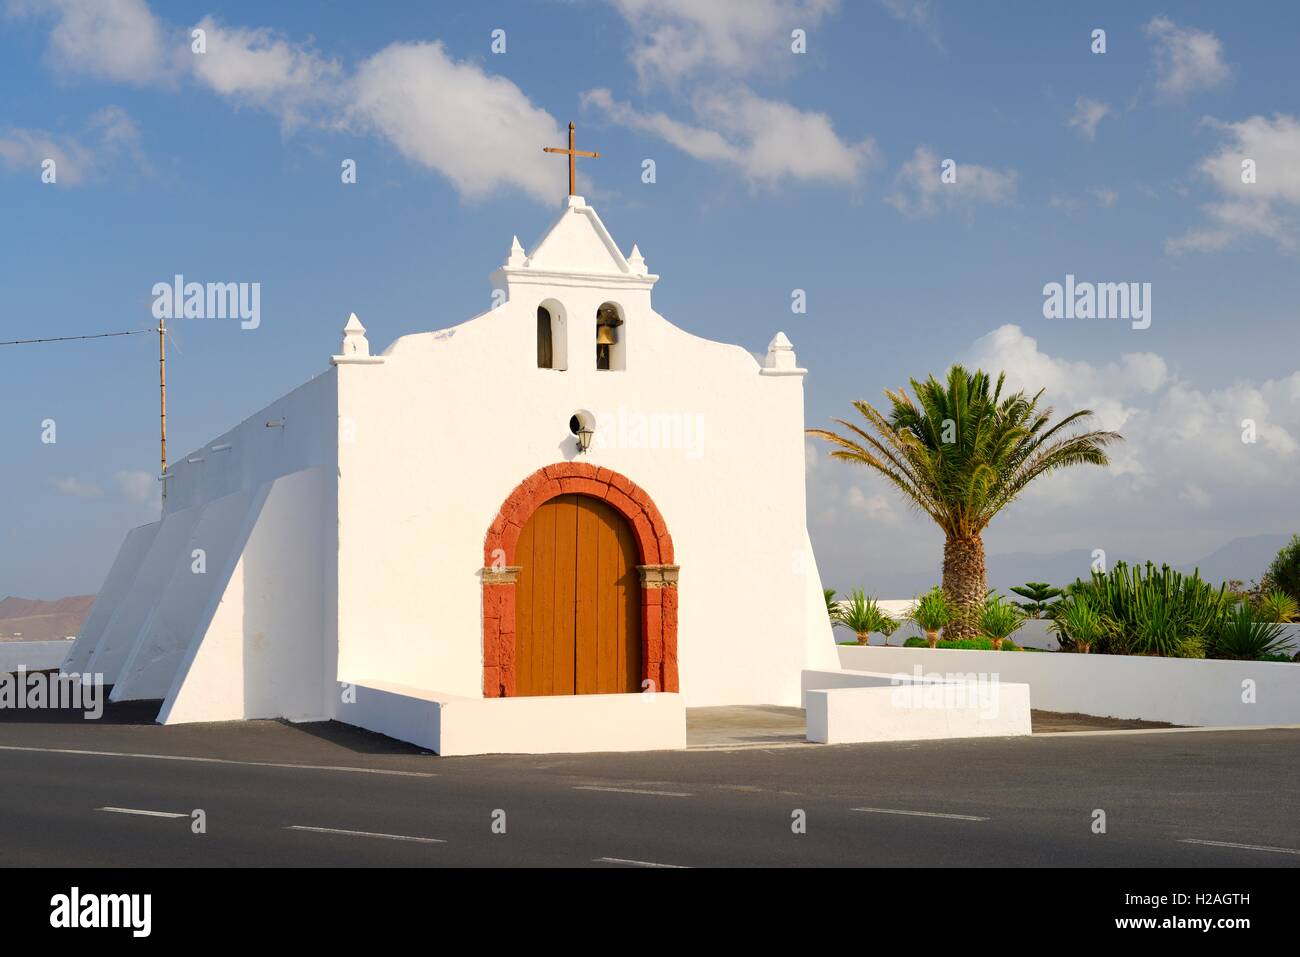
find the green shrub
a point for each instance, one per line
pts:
(1150, 612)
(963, 644)
(1284, 572)
(1276, 606)
(1243, 636)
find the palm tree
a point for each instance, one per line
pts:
(1078, 624)
(861, 615)
(931, 612)
(832, 606)
(960, 453)
(1000, 620)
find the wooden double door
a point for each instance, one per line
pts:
(578, 624)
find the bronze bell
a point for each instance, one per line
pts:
(607, 320)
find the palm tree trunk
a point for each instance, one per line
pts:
(964, 584)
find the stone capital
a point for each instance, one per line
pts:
(658, 576)
(505, 575)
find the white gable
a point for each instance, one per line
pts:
(576, 245)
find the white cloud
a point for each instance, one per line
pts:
(1187, 60)
(259, 67)
(676, 39)
(138, 486)
(110, 134)
(25, 151)
(119, 40)
(1269, 207)
(875, 506)
(915, 13)
(919, 190)
(1087, 114)
(479, 130)
(686, 44)
(77, 488)
(1105, 196)
(767, 140)
(1177, 433)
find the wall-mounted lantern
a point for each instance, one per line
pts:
(580, 426)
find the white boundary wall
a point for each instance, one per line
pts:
(1035, 633)
(1182, 691)
(857, 706)
(452, 725)
(32, 655)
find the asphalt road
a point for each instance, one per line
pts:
(328, 795)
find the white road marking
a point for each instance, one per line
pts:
(952, 817)
(1187, 730)
(669, 794)
(761, 746)
(621, 860)
(132, 810)
(387, 837)
(249, 764)
(1244, 847)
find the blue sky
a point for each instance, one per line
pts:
(775, 171)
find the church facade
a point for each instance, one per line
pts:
(563, 521)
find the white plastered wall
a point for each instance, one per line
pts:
(268, 651)
(166, 553)
(190, 597)
(452, 421)
(120, 576)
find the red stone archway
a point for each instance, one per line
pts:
(654, 550)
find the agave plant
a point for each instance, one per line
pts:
(1276, 607)
(1244, 636)
(932, 612)
(1000, 620)
(862, 615)
(1078, 624)
(961, 452)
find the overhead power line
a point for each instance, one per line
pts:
(161, 331)
(102, 335)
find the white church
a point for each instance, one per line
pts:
(553, 527)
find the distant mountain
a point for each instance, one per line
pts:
(30, 619)
(1243, 558)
